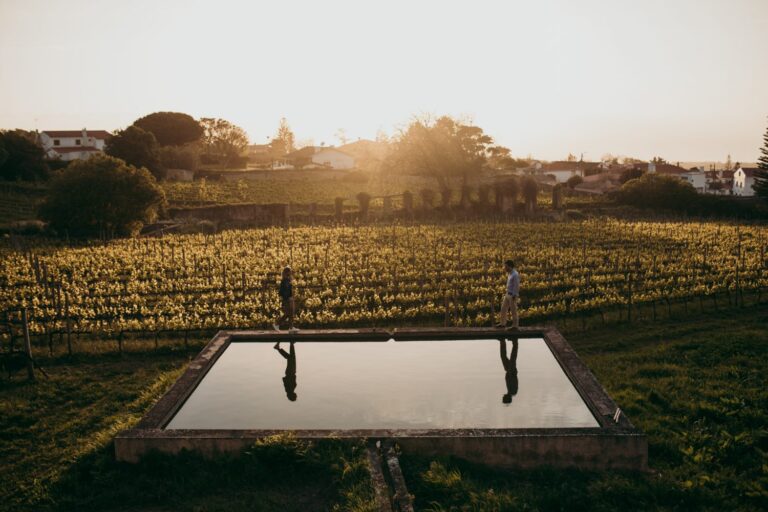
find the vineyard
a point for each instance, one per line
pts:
(379, 275)
(290, 187)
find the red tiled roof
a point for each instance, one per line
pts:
(96, 134)
(670, 169)
(568, 166)
(62, 151)
(663, 168)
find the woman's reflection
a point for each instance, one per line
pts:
(289, 381)
(510, 367)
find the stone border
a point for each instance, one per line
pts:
(615, 444)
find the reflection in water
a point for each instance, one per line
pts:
(385, 385)
(510, 367)
(289, 381)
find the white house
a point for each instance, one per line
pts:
(72, 144)
(563, 170)
(333, 158)
(743, 180)
(312, 157)
(697, 179)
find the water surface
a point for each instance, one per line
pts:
(385, 385)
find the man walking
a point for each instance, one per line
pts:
(509, 302)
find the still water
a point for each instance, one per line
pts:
(385, 385)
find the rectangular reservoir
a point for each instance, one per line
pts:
(510, 399)
(485, 383)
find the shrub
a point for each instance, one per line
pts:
(364, 199)
(102, 195)
(137, 148)
(631, 174)
(530, 189)
(179, 157)
(236, 162)
(574, 181)
(658, 192)
(22, 159)
(427, 197)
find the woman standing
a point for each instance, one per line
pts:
(286, 295)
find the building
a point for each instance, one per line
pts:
(562, 171)
(743, 180)
(603, 183)
(70, 145)
(697, 179)
(313, 157)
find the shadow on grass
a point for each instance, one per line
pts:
(453, 484)
(277, 473)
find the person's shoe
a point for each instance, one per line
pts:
(276, 327)
(513, 328)
(293, 330)
(500, 326)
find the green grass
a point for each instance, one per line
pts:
(57, 452)
(697, 388)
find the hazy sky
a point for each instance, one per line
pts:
(684, 79)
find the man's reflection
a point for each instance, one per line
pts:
(289, 381)
(510, 367)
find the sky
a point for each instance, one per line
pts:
(682, 79)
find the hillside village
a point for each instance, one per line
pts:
(583, 177)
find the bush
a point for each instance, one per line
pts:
(427, 197)
(364, 199)
(631, 174)
(171, 128)
(102, 195)
(236, 162)
(179, 157)
(574, 181)
(658, 191)
(137, 148)
(21, 159)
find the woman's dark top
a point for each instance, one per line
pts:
(286, 289)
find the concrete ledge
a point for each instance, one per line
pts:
(615, 444)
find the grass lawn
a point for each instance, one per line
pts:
(57, 452)
(695, 386)
(698, 390)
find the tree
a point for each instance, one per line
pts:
(284, 141)
(658, 191)
(630, 174)
(222, 140)
(658, 160)
(530, 191)
(574, 181)
(728, 163)
(171, 128)
(176, 157)
(570, 158)
(441, 149)
(341, 135)
(102, 195)
(136, 147)
(761, 177)
(24, 160)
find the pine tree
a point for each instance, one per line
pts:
(761, 176)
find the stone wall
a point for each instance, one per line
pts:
(245, 213)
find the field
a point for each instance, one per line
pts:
(599, 270)
(298, 187)
(696, 386)
(669, 315)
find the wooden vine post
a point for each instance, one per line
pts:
(28, 346)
